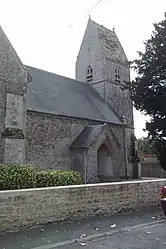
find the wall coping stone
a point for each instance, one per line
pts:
(82, 186)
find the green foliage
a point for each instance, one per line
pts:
(57, 178)
(17, 177)
(145, 146)
(149, 87)
(25, 176)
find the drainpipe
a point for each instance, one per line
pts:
(85, 166)
(125, 147)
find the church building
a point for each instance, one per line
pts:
(83, 124)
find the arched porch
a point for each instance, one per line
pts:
(105, 167)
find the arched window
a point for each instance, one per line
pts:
(89, 75)
(117, 75)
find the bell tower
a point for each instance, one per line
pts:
(102, 63)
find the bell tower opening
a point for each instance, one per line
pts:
(117, 75)
(89, 76)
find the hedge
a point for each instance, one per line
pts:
(57, 178)
(26, 176)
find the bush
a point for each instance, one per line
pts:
(57, 178)
(26, 176)
(17, 177)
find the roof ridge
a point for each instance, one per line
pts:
(62, 76)
(81, 99)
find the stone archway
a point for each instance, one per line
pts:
(105, 169)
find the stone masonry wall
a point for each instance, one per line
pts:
(13, 87)
(22, 208)
(120, 101)
(89, 54)
(2, 117)
(48, 145)
(152, 170)
(49, 138)
(115, 143)
(104, 63)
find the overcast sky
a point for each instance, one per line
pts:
(47, 34)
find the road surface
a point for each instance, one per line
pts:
(127, 231)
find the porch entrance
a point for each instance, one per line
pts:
(105, 170)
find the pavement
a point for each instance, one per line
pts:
(146, 229)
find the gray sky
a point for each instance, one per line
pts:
(47, 34)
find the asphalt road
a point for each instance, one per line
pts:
(129, 231)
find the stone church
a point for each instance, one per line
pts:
(54, 122)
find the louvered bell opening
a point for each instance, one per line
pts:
(117, 78)
(89, 77)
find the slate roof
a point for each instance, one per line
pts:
(87, 136)
(55, 94)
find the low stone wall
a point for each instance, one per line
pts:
(22, 208)
(149, 169)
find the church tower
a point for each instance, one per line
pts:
(102, 63)
(13, 88)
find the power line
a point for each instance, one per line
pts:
(93, 6)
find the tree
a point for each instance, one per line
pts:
(149, 88)
(145, 146)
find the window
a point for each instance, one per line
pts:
(117, 70)
(89, 75)
(117, 75)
